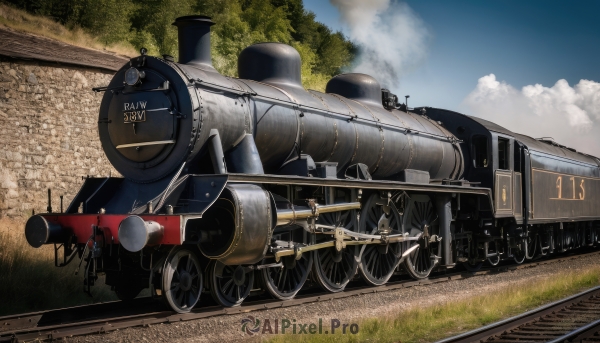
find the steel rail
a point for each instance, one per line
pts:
(488, 331)
(583, 331)
(103, 325)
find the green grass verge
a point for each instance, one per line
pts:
(29, 281)
(436, 322)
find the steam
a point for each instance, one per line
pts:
(570, 115)
(391, 38)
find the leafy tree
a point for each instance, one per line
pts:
(61, 11)
(310, 79)
(239, 23)
(333, 49)
(231, 34)
(157, 16)
(109, 19)
(144, 39)
(267, 22)
(335, 53)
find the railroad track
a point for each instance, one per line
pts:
(106, 317)
(573, 319)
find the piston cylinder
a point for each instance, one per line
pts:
(136, 233)
(237, 229)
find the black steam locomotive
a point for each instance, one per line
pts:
(233, 185)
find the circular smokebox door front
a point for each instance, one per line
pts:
(141, 124)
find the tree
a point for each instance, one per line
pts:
(109, 19)
(156, 17)
(239, 23)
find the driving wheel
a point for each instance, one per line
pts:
(333, 269)
(421, 220)
(377, 262)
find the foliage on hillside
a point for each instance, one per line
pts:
(23, 21)
(240, 23)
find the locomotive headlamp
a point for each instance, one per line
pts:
(133, 76)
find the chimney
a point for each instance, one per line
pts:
(194, 39)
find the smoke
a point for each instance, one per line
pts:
(570, 115)
(391, 38)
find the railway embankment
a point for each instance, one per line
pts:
(48, 119)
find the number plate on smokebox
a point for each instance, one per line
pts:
(134, 116)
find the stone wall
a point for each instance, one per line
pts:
(48, 133)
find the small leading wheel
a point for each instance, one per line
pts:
(377, 262)
(182, 280)
(286, 278)
(421, 220)
(473, 267)
(127, 291)
(333, 269)
(229, 285)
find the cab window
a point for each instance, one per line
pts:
(503, 153)
(480, 151)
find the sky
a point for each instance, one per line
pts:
(531, 66)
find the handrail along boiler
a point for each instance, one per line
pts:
(255, 184)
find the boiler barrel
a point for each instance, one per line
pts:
(267, 118)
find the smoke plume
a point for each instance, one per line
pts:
(570, 115)
(391, 38)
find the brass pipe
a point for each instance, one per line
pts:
(289, 216)
(298, 251)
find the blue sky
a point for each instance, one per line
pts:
(522, 43)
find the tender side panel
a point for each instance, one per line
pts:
(558, 195)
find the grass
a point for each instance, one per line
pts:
(439, 321)
(29, 281)
(20, 20)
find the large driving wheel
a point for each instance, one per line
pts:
(421, 220)
(519, 252)
(230, 285)
(182, 280)
(378, 261)
(493, 248)
(284, 279)
(333, 269)
(531, 244)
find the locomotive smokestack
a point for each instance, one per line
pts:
(194, 39)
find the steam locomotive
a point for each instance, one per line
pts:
(233, 185)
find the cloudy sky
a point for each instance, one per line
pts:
(531, 66)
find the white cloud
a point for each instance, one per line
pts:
(570, 115)
(392, 39)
